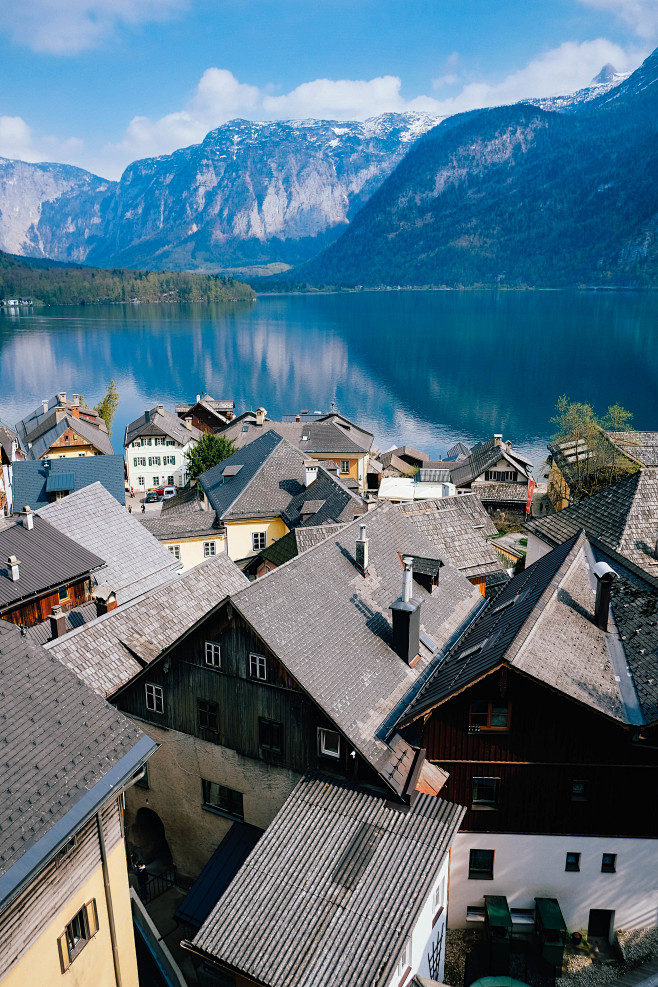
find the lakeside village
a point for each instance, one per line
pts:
(306, 719)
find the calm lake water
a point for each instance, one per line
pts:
(424, 368)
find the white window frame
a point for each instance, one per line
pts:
(324, 749)
(404, 962)
(257, 667)
(344, 463)
(175, 551)
(256, 538)
(438, 898)
(140, 481)
(154, 697)
(213, 654)
(209, 549)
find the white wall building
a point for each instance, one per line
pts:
(156, 446)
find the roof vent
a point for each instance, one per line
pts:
(27, 518)
(604, 579)
(406, 618)
(13, 564)
(362, 550)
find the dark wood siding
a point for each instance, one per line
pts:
(37, 610)
(551, 743)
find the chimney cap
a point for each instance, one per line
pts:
(160, 409)
(12, 560)
(603, 571)
(362, 533)
(103, 592)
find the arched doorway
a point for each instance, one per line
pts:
(147, 839)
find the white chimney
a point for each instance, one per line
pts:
(198, 398)
(27, 518)
(260, 415)
(498, 440)
(61, 397)
(188, 423)
(13, 564)
(310, 471)
(407, 579)
(44, 405)
(160, 409)
(76, 400)
(362, 550)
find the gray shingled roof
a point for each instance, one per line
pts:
(31, 477)
(38, 421)
(577, 459)
(59, 741)
(640, 445)
(47, 557)
(91, 433)
(185, 525)
(330, 627)
(501, 493)
(483, 457)
(458, 527)
(103, 652)
(345, 874)
(188, 501)
(292, 544)
(165, 422)
(623, 515)
(323, 436)
(135, 561)
(542, 624)
(326, 501)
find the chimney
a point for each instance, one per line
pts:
(508, 445)
(76, 400)
(59, 414)
(260, 415)
(44, 405)
(160, 409)
(198, 398)
(362, 550)
(604, 579)
(27, 518)
(498, 440)
(147, 416)
(75, 410)
(311, 471)
(406, 618)
(57, 620)
(105, 600)
(188, 423)
(13, 564)
(61, 397)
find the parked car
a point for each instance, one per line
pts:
(152, 497)
(168, 493)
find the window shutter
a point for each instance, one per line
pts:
(64, 958)
(92, 917)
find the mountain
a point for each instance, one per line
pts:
(250, 193)
(516, 195)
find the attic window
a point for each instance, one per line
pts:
(304, 438)
(230, 471)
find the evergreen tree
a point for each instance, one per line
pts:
(210, 450)
(108, 406)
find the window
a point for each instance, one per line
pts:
(170, 480)
(213, 657)
(270, 735)
(170, 442)
(209, 549)
(208, 714)
(175, 551)
(485, 793)
(63, 592)
(488, 716)
(155, 480)
(439, 897)
(139, 461)
(168, 460)
(344, 465)
(404, 963)
(77, 934)
(579, 790)
(222, 799)
(140, 481)
(481, 865)
(258, 667)
(65, 851)
(572, 862)
(154, 698)
(609, 863)
(258, 540)
(328, 743)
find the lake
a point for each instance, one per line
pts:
(421, 368)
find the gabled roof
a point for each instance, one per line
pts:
(326, 501)
(34, 479)
(458, 451)
(89, 432)
(623, 515)
(483, 457)
(458, 527)
(64, 750)
(164, 527)
(345, 873)
(110, 650)
(642, 446)
(205, 401)
(47, 559)
(164, 422)
(492, 491)
(542, 625)
(400, 452)
(39, 421)
(291, 545)
(324, 436)
(135, 561)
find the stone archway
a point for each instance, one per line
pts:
(148, 841)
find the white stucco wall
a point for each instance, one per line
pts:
(178, 469)
(424, 937)
(535, 549)
(526, 867)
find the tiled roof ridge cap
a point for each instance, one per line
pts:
(241, 493)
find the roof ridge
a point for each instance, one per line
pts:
(257, 471)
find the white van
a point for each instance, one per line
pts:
(168, 493)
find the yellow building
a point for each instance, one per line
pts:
(65, 911)
(59, 429)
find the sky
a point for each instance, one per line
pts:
(100, 83)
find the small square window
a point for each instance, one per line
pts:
(485, 793)
(154, 698)
(208, 714)
(580, 790)
(258, 540)
(481, 865)
(77, 934)
(572, 862)
(63, 593)
(175, 551)
(329, 743)
(270, 735)
(222, 799)
(344, 465)
(486, 715)
(209, 549)
(258, 667)
(609, 863)
(213, 654)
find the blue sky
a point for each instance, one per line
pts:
(99, 83)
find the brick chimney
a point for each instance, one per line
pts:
(75, 410)
(406, 618)
(605, 576)
(362, 550)
(12, 565)
(260, 415)
(57, 620)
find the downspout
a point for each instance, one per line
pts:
(108, 902)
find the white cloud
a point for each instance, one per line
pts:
(72, 26)
(640, 15)
(18, 141)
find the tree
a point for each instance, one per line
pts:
(108, 406)
(209, 450)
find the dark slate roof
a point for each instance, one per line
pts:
(333, 889)
(458, 527)
(323, 436)
(47, 559)
(110, 650)
(542, 624)
(218, 873)
(31, 478)
(326, 501)
(459, 451)
(400, 452)
(483, 457)
(95, 436)
(640, 445)
(623, 515)
(331, 628)
(163, 422)
(64, 751)
(272, 474)
(185, 525)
